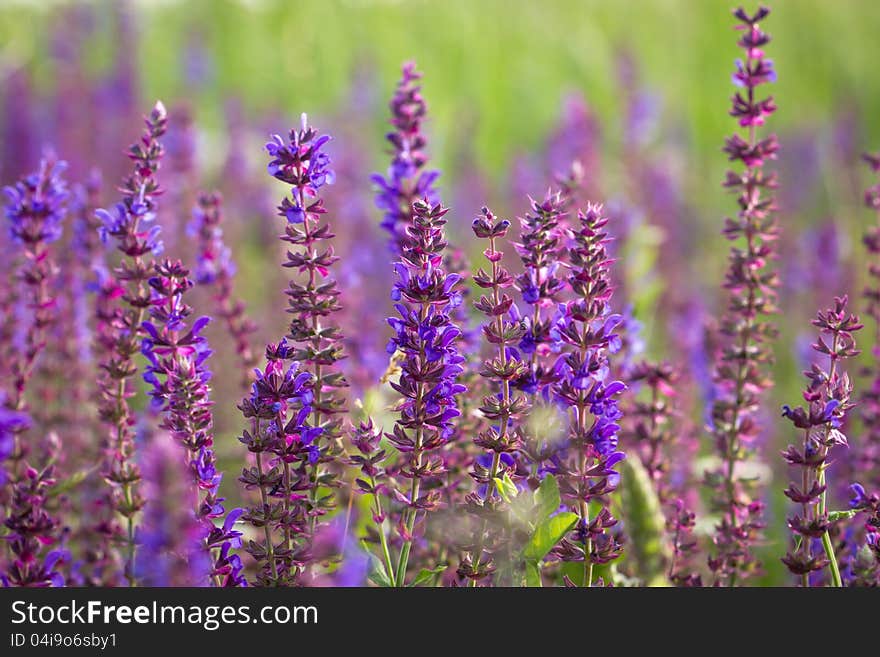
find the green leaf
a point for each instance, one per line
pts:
(547, 497)
(506, 488)
(424, 576)
(648, 552)
(533, 574)
(835, 516)
(71, 482)
(379, 578)
(547, 534)
(377, 573)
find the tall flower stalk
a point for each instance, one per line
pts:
(373, 481)
(542, 285)
(407, 180)
(585, 468)
(130, 225)
(426, 337)
(744, 354)
(216, 268)
(179, 377)
(868, 452)
(503, 407)
(316, 341)
(827, 395)
(35, 210)
(277, 409)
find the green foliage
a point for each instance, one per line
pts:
(642, 516)
(426, 577)
(548, 533)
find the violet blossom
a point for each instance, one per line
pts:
(313, 301)
(426, 337)
(216, 268)
(407, 180)
(503, 406)
(827, 395)
(130, 223)
(741, 362)
(585, 466)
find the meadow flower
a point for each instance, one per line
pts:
(216, 268)
(32, 529)
(277, 409)
(426, 338)
(827, 394)
(504, 408)
(178, 373)
(130, 224)
(586, 329)
(407, 180)
(35, 210)
(741, 361)
(313, 301)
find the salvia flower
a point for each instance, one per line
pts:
(178, 373)
(277, 409)
(426, 338)
(653, 418)
(316, 340)
(373, 481)
(503, 407)
(32, 529)
(586, 327)
(407, 180)
(131, 226)
(827, 398)
(741, 362)
(542, 285)
(865, 565)
(868, 452)
(655, 432)
(215, 268)
(35, 210)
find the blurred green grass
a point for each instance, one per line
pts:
(507, 62)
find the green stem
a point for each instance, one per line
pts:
(270, 548)
(383, 539)
(836, 579)
(410, 524)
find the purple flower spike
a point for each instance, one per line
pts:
(740, 362)
(295, 411)
(407, 180)
(122, 309)
(828, 397)
(427, 388)
(35, 210)
(503, 406)
(584, 465)
(177, 372)
(216, 269)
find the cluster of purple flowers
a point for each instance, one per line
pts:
(407, 181)
(216, 268)
(504, 407)
(426, 339)
(316, 342)
(277, 409)
(827, 395)
(177, 371)
(744, 352)
(130, 224)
